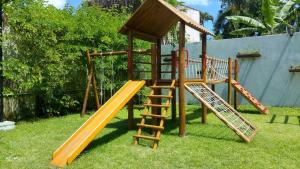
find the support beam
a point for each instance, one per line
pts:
(181, 79)
(236, 78)
(229, 81)
(158, 91)
(113, 53)
(130, 77)
(140, 34)
(173, 77)
(1, 71)
(91, 80)
(204, 60)
(154, 77)
(86, 95)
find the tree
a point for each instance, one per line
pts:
(45, 50)
(275, 17)
(132, 5)
(204, 16)
(222, 27)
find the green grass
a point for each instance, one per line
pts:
(213, 145)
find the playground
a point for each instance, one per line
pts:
(205, 146)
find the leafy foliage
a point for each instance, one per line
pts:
(44, 50)
(250, 8)
(275, 18)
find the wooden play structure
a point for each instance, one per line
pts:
(169, 73)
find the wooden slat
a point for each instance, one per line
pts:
(154, 115)
(122, 52)
(166, 72)
(156, 105)
(165, 64)
(160, 96)
(146, 137)
(150, 126)
(162, 87)
(140, 62)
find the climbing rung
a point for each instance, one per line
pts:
(146, 137)
(160, 117)
(162, 87)
(138, 107)
(154, 116)
(159, 96)
(150, 126)
(156, 105)
(166, 72)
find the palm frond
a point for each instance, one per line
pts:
(285, 10)
(246, 20)
(269, 11)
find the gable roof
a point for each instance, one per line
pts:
(154, 18)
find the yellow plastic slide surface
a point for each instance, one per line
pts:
(67, 152)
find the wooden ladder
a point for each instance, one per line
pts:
(156, 129)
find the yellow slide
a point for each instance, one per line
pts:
(67, 152)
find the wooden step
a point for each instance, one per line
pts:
(166, 72)
(162, 87)
(160, 96)
(156, 105)
(150, 126)
(146, 137)
(139, 107)
(154, 116)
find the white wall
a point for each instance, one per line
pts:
(191, 34)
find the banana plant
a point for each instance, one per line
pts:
(274, 17)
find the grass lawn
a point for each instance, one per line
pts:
(213, 145)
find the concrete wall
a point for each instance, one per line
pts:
(267, 77)
(191, 34)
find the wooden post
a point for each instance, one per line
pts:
(94, 82)
(130, 77)
(86, 95)
(229, 81)
(91, 79)
(1, 70)
(154, 75)
(236, 78)
(91, 71)
(173, 77)
(204, 60)
(158, 91)
(181, 79)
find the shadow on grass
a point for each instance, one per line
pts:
(213, 131)
(121, 129)
(248, 111)
(285, 121)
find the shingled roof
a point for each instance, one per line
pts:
(154, 18)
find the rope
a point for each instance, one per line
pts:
(220, 108)
(217, 69)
